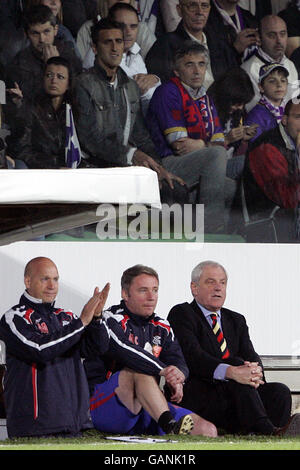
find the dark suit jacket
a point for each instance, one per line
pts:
(220, 33)
(199, 344)
(159, 59)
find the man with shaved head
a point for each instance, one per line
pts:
(45, 387)
(273, 37)
(226, 384)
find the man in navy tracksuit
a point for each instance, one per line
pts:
(45, 387)
(125, 394)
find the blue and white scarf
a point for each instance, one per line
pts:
(72, 149)
(276, 111)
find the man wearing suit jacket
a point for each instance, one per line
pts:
(226, 384)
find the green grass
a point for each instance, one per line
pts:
(92, 440)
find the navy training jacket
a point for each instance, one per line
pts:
(45, 386)
(145, 345)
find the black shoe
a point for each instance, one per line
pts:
(292, 428)
(183, 426)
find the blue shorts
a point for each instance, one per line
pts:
(110, 415)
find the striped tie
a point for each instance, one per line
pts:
(220, 338)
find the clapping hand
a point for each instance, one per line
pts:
(93, 308)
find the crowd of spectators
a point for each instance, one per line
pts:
(57, 63)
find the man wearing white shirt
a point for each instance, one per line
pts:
(273, 35)
(132, 62)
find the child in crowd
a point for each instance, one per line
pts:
(269, 110)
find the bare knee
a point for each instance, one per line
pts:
(203, 427)
(126, 391)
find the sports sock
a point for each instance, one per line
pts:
(166, 421)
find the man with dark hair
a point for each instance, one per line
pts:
(226, 383)
(271, 176)
(45, 387)
(182, 118)
(25, 73)
(124, 383)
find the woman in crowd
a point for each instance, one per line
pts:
(41, 137)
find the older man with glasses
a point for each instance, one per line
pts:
(194, 17)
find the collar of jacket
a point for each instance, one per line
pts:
(180, 30)
(138, 319)
(36, 303)
(121, 75)
(289, 142)
(45, 100)
(182, 33)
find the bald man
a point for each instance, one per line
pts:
(273, 37)
(45, 387)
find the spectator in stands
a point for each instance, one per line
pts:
(273, 35)
(181, 116)
(132, 62)
(271, 176)
(230, 94)
(291, 17)
(183, 123)
(41, 135)
(269, 110)
(234, 25)
(27, 69)
(145, 37)
(56, 8)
